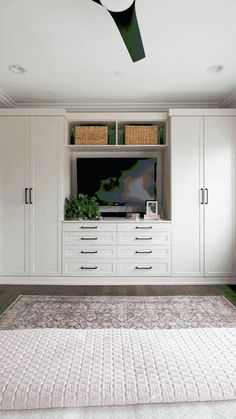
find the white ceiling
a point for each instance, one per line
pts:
(73, 51)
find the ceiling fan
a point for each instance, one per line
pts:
(124, 15)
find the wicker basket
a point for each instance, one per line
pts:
(142, 134)
(88, 135)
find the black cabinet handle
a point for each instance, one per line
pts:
(30, 194)
(89, 238)
(143, 238)
(202, 196)
(148, 252)
(144, 268)
(143, 228)
(89, 253)
(89, 228)
(206, 201)
(89, 267)
(26, 196)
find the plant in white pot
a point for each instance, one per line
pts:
(82, 207)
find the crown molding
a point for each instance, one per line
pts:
(228, 101)
(6, 100)
(119, 107)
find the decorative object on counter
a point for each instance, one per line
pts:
(142, 134)
(151, 207)
(151, 211)
(133, 216)
(90, 135)
(82, 207)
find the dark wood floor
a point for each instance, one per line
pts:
(8, 293)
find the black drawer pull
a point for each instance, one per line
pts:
(89, 267)
(144, 268)
(30, 194)
(89, 238)
(143, 228)
(26, 196)
(89, 253)
(143, 238)
(148, 252)
(89, 228)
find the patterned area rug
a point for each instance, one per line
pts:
(29, 312)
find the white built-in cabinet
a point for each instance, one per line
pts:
(194, 244)
(220, 208)
(14, 178)
(119, 248)
(30, 194)
(203, 195)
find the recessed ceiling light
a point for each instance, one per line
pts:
(18, 69)
(118, 73)
(214, 69)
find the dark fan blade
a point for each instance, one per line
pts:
(128, 26)
(97, 1)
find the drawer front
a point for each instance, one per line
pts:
(89, 226)
(144, 268)
(148, 252)
(147, 239)
(76, 268)
(87, 238)
(144, 226)
(89, 252)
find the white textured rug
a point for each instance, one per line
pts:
(195, 410)
(53, 368)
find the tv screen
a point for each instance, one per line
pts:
(118, 181)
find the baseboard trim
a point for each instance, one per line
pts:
(59, 280)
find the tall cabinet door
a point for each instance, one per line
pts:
(46, 139)
(220, 214)
(14, 212)
(187, 196)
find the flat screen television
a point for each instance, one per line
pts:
(120, 184)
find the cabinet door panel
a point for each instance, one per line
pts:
(46, 136)
(14, 178)
(187, 180)
(219, 150)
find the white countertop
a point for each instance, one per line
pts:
(117, 220)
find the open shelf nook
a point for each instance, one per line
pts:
(147, 130)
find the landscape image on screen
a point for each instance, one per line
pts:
(118, 181)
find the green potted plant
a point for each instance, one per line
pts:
(82, 207)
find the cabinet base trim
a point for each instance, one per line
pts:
(115, 280)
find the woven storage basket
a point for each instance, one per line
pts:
(87, 135)
(142, 134)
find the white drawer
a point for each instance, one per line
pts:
(144, 226)
(144, 268)
(144, 239)
(87, 238)
(148, 252)
(95, 268)
(89, 252)
(90, 226)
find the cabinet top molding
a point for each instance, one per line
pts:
(203, 112)
(32, 112)
(116, 116)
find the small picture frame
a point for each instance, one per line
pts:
(151, 208)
